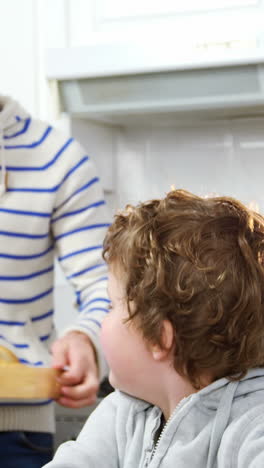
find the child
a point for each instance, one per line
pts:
(184, 340)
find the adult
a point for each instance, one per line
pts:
(51, 204)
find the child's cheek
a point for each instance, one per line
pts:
(105, 338)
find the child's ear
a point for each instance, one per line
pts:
(167, 340)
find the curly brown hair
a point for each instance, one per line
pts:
(197, 262)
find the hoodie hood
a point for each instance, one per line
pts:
(12, 115)
(213, 408)
(211, 411)
(221, 396)
(13, 119)
(253, 382)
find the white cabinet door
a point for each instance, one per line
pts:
(149, 8)
(191, 20)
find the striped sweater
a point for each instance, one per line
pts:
(51, 204)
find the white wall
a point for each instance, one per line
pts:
(28, 27)
(18, 51)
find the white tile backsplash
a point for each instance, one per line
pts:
(213, 158)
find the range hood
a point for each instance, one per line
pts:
(135, 84)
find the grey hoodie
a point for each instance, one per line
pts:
(221, 426)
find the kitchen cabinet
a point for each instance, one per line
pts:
(201, 23)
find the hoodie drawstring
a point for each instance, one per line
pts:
(221, 421)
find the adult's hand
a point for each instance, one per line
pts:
(79, 382)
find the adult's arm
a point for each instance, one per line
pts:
(79, 223)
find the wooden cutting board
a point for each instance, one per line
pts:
(18, 381)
